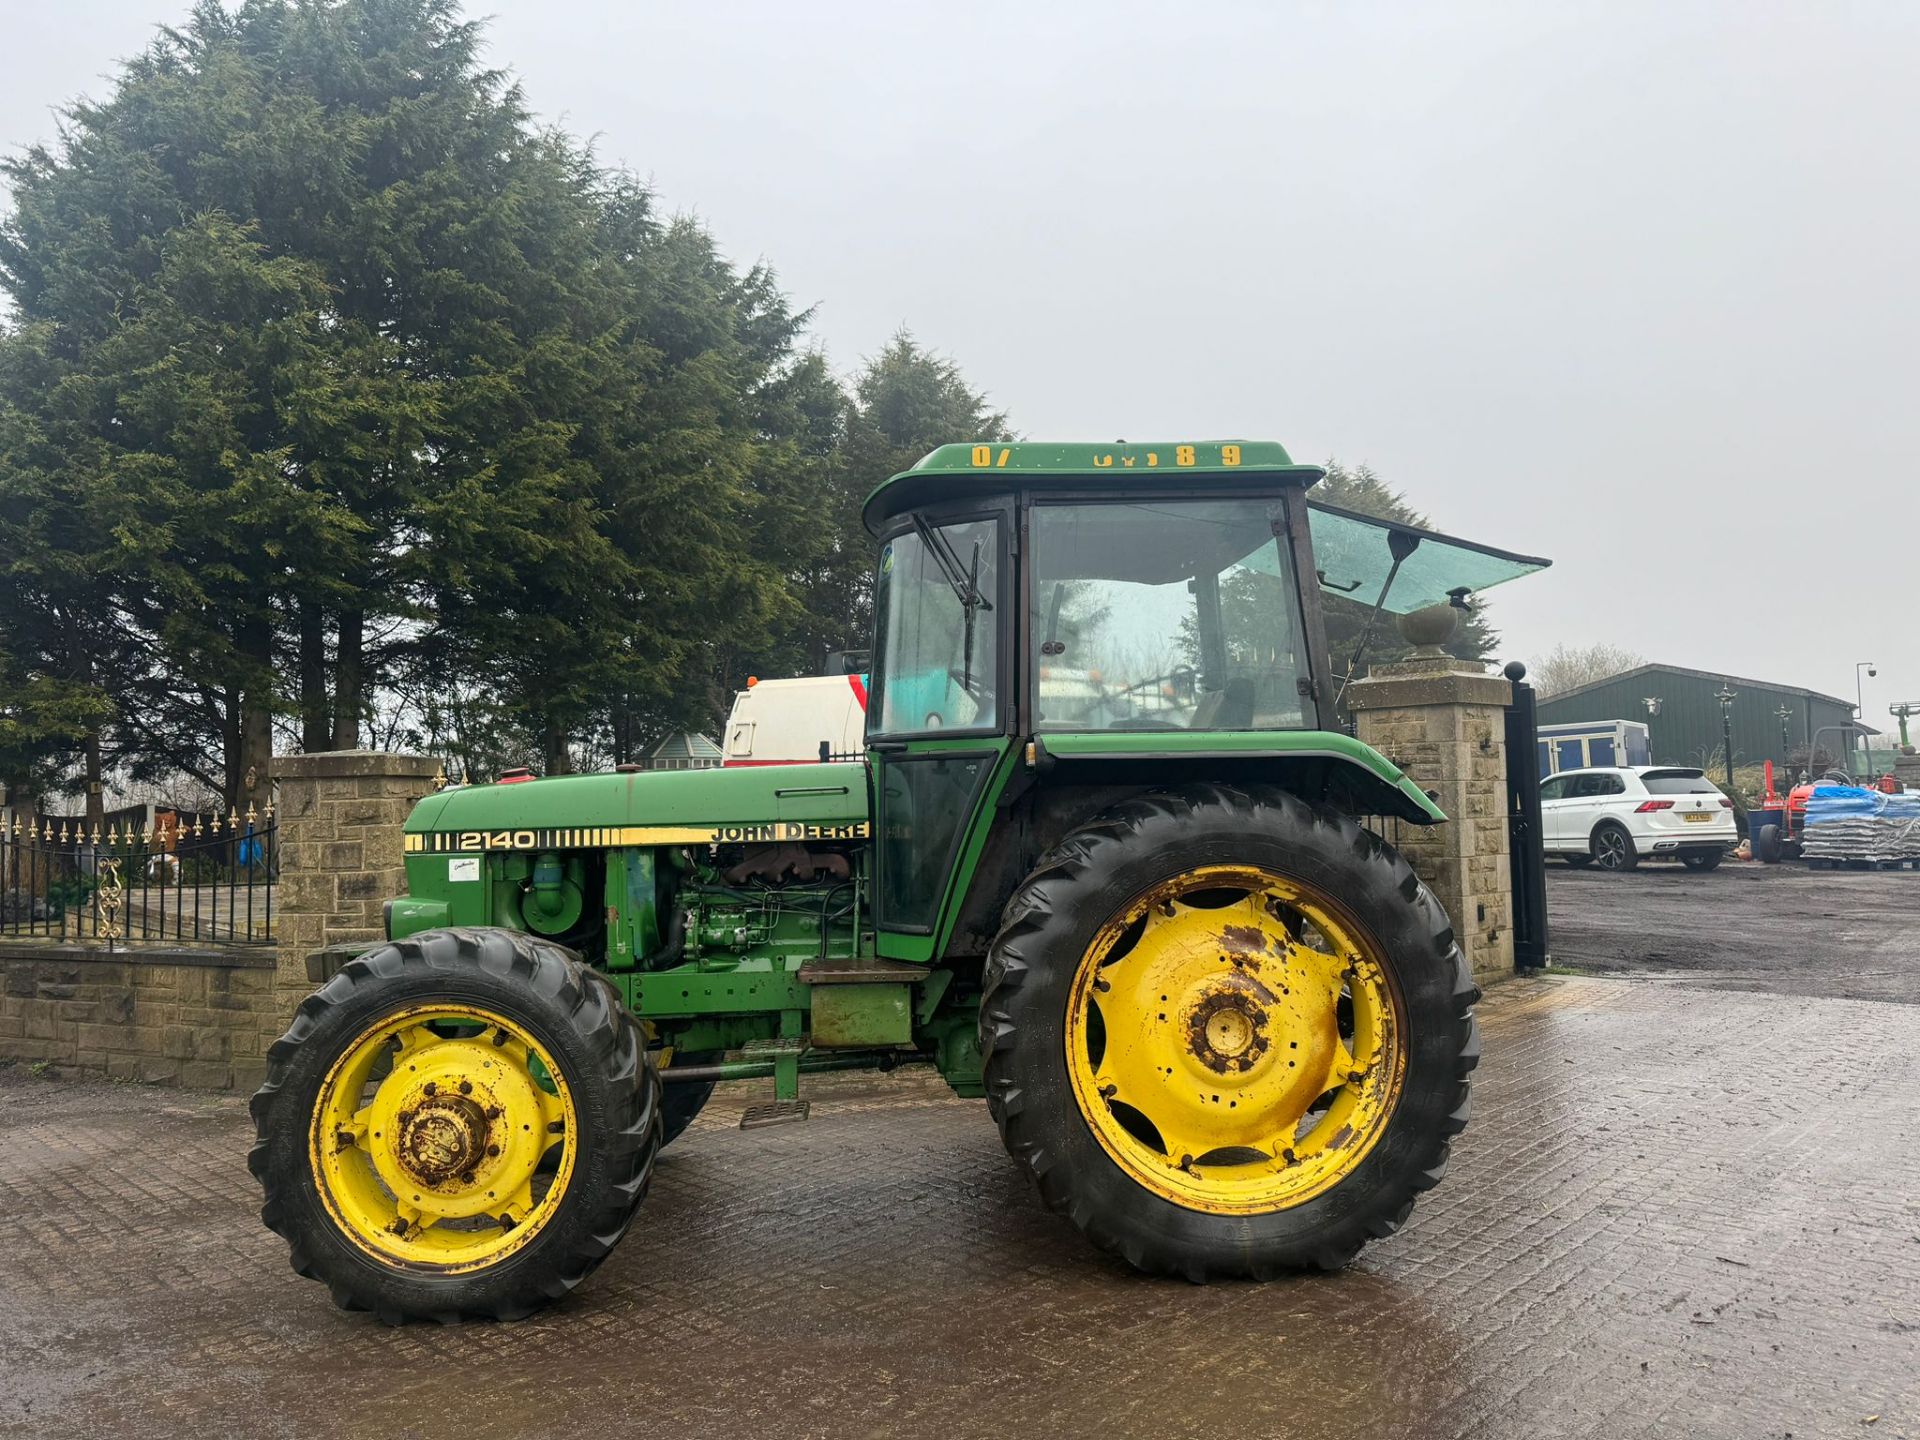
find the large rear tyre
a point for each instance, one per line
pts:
(458, 1125)
(1227, 1033)
(1766, 845)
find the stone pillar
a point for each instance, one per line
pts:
(340, 815)
(1443, 721)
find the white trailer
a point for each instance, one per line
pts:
(791, 722)
(1583, 744)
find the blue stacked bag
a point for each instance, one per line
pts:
(1851, 822)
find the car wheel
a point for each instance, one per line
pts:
(1703, 859)
(1613, 848)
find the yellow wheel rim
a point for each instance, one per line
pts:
(428, 1136)
(1234, 1041)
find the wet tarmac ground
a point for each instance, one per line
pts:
(1681, 1209)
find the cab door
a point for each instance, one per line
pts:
(938, 712)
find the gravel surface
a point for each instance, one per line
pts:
(1845, 934)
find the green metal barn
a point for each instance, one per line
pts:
(1684, 726)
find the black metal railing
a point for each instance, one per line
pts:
(172, 878)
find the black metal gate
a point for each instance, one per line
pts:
(1526, 841)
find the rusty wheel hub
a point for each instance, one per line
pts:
(1227, 1031)
(443, 1139)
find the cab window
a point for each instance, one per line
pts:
(937, 668)
(1165, 615)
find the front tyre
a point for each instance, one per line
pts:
(1227, 1033)
(681, 1103)
(1613, 848)
(458, 1125)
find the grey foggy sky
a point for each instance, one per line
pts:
(1631, 286)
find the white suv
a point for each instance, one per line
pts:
(1614, 817)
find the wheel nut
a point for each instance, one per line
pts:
(406, 1117)
(466, 1087)
(494, 1112)
(431, 1088)
(492, 1151)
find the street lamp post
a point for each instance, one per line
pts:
(1726, 697)
(1860, 715)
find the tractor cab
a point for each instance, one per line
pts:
(1062, 589)
(1089, 615)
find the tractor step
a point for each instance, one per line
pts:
(774, 1047)
(859, 972)
(773, 1112)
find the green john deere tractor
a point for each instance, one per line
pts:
(1101, 862)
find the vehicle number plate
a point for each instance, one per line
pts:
(1699, 817)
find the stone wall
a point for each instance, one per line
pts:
(173, 1017)
(1445, 725)
(205, 1017)
(341, 816)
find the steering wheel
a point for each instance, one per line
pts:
(1181, 678)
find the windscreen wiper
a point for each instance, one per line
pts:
(1400, 544)
(965, 588)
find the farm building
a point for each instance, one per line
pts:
(1684, 724)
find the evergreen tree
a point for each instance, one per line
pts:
(337, 366)
(905, 401)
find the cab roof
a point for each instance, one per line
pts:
(955, 472)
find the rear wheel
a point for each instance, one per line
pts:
(1703, 859)
(459, 1124)
(1766, 845)
(1227, 1033)
(1613, 848)
(1577, 862)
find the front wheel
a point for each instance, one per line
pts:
(1613, 848)
(458, 1125)
(1227, 1033)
